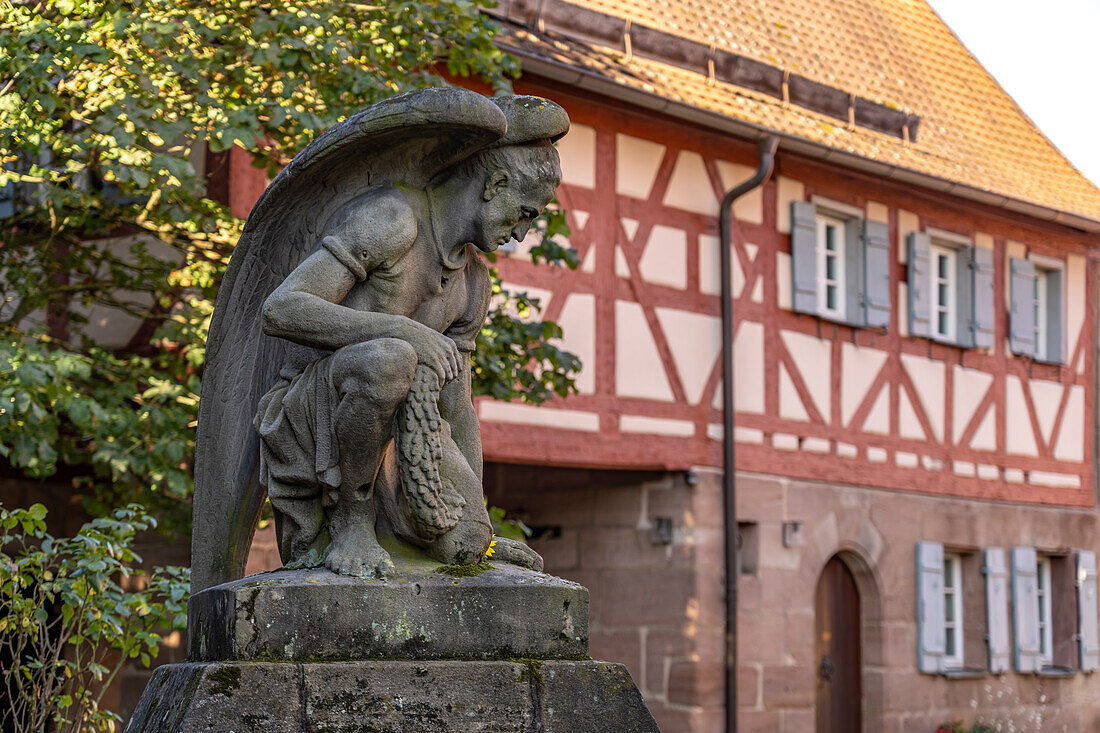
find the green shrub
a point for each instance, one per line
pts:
(73, 610)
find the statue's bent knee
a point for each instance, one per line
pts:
(380, 370)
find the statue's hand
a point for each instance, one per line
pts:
(433, 350)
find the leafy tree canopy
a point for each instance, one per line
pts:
(107, 110)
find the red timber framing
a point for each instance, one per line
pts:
(827, 436)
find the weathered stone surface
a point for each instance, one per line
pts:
(416, 613)
(392, 697)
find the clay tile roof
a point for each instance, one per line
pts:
(895, 58)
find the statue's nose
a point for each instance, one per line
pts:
(520, 230)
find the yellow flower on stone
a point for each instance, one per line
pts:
(492, 544)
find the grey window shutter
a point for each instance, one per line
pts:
(1055, 351)
(983, 323)
(853, 264)
(964, 298)
(1021, 319)
(931, 635)
(804, 256)
(996, 610)
(1086, 611)
(920, 284)
(1025, 608)
(876, 270)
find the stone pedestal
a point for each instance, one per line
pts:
(496, 648)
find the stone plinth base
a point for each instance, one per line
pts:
(392, 697)
(490, 612)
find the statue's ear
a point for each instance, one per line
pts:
(494, 184)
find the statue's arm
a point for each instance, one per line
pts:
(456, 406)
(306, 308)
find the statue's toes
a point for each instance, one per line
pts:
(517, 553)
(347, 563)
(380, 563)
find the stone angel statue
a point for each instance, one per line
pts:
(338, 364)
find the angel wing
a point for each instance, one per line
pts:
(407, 139)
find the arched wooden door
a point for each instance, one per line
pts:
(839, 663)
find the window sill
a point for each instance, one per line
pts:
(965, 674)
(1056, 672)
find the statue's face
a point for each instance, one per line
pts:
(511, 201)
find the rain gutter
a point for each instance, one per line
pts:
(729, 482)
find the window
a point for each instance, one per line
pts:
(944, 291)
(840, 264)
(1035, 326)
(831, 238)
(951, 630)
(1044, 617)
(953, 611)
(950, 289)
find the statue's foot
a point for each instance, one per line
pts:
(362, 558)
(463, 545)
(517, 553)
(311, 559)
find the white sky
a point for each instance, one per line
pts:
(1046, 54)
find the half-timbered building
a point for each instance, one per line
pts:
(914, 294)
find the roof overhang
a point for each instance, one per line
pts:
(583, 79)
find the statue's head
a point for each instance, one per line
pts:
(515, 178)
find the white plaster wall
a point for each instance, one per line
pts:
(859, 367)
(748, 369)
(541, 416)
(907, 222)
(656, 426)
(929, 378)
(1075, 303)
(813, 357)
(695, 339)
(1020, 438)
(577, 151)
(664, 259)
(1071, 437)
(878, 212)
(1045, 396)
(689, 187)
(638, 368)
(783, 285)
(578, 324)
(637, 161)
(786, 191)
(970, 388)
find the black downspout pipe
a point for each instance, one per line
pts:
(764, 169)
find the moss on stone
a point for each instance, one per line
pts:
(225, 680)
(465, 571)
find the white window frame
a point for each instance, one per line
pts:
(953, 626)
(949, 309)
(1043, 616)
(1045, 268)
(839, 254)
(1040, 306)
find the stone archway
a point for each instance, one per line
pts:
(848, 561)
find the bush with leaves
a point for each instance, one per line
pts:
(106, 109)
(73, 611)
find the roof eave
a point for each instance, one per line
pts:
(582, 79)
